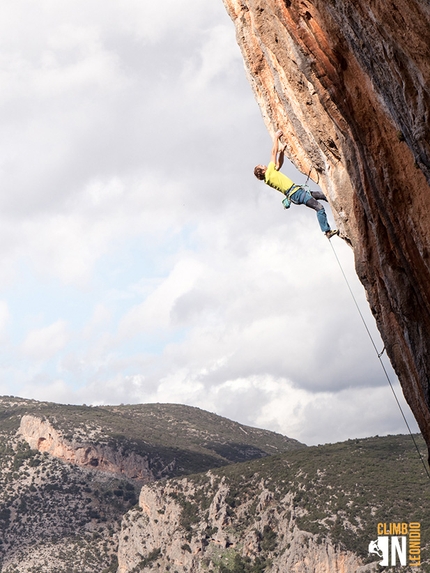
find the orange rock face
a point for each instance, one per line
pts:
(349, 84)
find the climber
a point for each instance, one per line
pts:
(294, 193)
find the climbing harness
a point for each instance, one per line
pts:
(286, 202)
(379, 355)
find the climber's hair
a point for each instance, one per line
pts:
(259, 172)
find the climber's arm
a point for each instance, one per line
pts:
(278, 150)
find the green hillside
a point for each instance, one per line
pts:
(341, 491)
(55, 516)
(195, 439)
(51, 508)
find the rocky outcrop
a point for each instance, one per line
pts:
(348, 82)
(307, 510)
(184, 527)
(142, 442)
(42, 436)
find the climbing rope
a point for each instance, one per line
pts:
(379, 355)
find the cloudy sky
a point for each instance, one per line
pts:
(141, 259)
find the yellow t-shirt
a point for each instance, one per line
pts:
(276, 179)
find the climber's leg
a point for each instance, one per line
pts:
(303, 197)
(321, 214)
(318, 195)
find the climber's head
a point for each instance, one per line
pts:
(259, 171)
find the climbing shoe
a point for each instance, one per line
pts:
(331, 233)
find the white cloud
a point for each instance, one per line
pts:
(132, 225)
(316, 418)
(216, 58)
(56, 390)
(43, 343)
(155, 312)
(100, 319)
(4, 320)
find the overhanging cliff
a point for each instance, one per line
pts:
(348, 82)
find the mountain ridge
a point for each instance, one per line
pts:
(231, 518)
(311, 510)
(68, 473)
(193, 436)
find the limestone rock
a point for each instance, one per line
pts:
(349, 83)
(185, 528)
(41, 435)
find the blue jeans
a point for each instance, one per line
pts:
(303, 197)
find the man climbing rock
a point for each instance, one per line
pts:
(294, 193)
